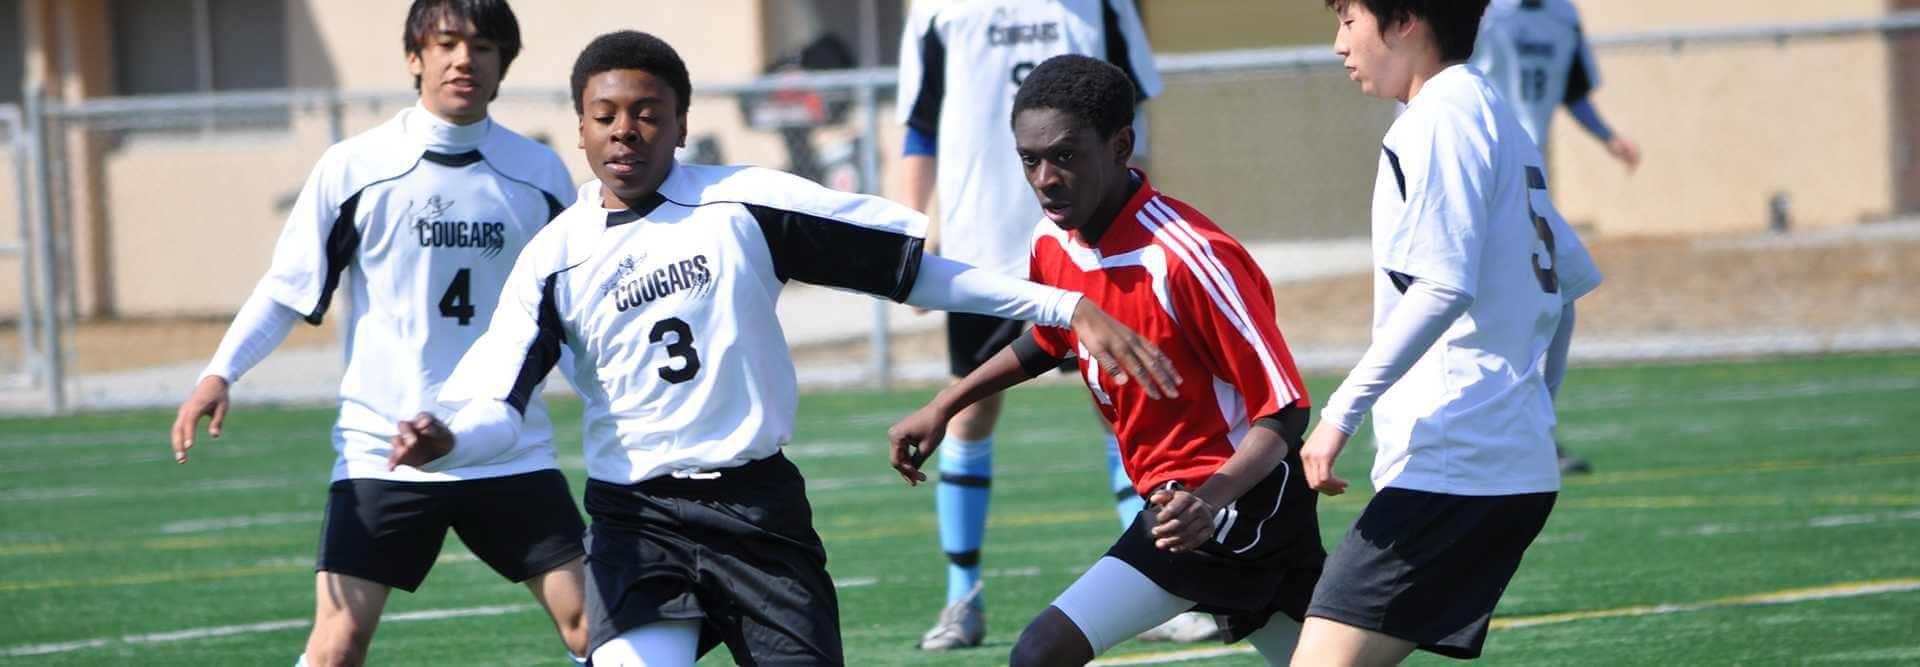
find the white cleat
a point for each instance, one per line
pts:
(1186, 628)
(961, 625)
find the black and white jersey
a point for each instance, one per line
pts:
(960, 65)
(668, 311)
(1534, 53)
(421, 242)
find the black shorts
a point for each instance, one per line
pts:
(1266, 563)
(388, 532)
(973, 339)
(1429, 567)
(738, 551)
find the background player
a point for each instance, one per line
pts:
(1534, 53)
(1244, 540)
(424, 216)
(1473, 312)
(662, 282)
(960, 64)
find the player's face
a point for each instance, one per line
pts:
(1077, 176)
(459, 72)
(1371, 57)
(629, 127)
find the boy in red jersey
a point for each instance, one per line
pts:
(1231, 528)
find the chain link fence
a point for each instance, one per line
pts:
(166, 208)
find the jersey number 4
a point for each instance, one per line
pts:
(457, 302)
(1543, 253)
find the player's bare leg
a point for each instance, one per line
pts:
(562, 592)
(977, 421)
(1051, 639)
(346, 611)
(1326, 642)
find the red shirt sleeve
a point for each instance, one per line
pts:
(1054, 341)
(1225, 307)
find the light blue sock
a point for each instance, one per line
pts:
(966, 475)
(1127, 502)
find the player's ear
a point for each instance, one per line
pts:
(415, 65)
(1122, 144)
(582, 118)
(682, 143)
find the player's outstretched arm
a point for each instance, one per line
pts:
(1185, 519)
(257, 329)
(209, 399)
(915, 438)
(1122, 353)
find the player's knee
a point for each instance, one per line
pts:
(574, 633)
(338, 645)
(1051, 640)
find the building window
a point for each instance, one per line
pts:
(171, 47)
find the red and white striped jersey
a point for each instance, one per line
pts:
(1169, 273)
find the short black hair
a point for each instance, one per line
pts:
(632, 49)
(1089, 88)
(491, 19)
(1455, 23)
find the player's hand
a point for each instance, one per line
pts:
(1624, 150)
(209, 399)
(1317, 456)
(1183, 521)
(421, 440)
(1122, 353)
(913, 439)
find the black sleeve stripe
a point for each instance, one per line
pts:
(1033, 360)
(544, 352)
(1290, 422)
(1399, 176)
(1400, 280)
(832, 253)
(933, 75)
(343, 241)
(554, 207)
(1118, 51)
(1579, 86)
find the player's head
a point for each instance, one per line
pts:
(1073, 127)
(458, 50)
(1386, 43)
(631, 91)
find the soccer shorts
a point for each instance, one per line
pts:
(1429, 567)
(389, 532)
(1264, 560)
(737, 551)
(973, 339)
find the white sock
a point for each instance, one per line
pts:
(660, 643)
(576, 659)
(302, 662)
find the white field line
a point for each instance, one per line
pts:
(224, 523)
(1847, 590)
(249, 628)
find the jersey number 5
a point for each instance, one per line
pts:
(681, 348)
(1543, 253)
(456, 303)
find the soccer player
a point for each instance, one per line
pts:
(423, 216)
(960, 64)
(661, 281)
(1473, 310)
(1534, 53)
(1232, 529)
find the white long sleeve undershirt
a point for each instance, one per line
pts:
(1423, 314)
(485, 429)
(257, 329)
(944, 284)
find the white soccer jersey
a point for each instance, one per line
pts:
(960, 65)
(1461, 201)
(1535, 54)
(425, 241)
(668, 311)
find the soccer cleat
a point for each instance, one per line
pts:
(1570, 464)
(1186, 628)
(962, 625)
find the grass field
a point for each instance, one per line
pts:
(1751, 513)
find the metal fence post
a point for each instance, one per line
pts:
(880, 343)
(32, 365)
(51, 344)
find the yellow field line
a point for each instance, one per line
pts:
(1789, 596)
(148, 578)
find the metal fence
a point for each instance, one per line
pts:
(164, 208)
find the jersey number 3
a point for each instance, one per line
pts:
(681, 348)
(1543, 253)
